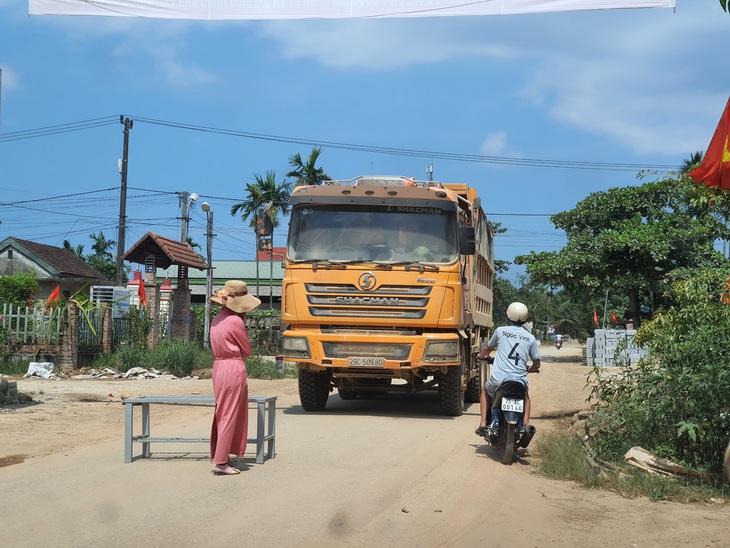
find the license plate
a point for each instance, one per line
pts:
(512, 405)
(365, 362)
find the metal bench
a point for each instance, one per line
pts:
(265, 433)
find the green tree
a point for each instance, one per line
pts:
(103, 259)
(500, 265)
(78, 250)
(307, 173)
(691, 163)
(674, 402)
(192, 243)
(628, 240)
(264, 198)
(18, 288)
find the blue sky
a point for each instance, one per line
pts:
(625, 88)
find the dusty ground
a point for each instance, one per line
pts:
(384, 472)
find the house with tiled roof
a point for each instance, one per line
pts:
(52, 266)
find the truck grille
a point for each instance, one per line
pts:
(387, 351)
(349, 301)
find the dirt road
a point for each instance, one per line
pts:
(385, 472)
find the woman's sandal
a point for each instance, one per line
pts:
(228, 471)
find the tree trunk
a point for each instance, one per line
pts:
(634, 307)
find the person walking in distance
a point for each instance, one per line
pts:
(230, 345)
(514, 345)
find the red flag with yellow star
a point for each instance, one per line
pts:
(714, 171)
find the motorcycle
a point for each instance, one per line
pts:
(558, 344)
(506, 431)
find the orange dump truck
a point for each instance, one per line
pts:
(387, 287)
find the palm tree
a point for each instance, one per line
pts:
(307, 173)
(102, 246)
(265, 197)
(691, 163)
(192, 243)
(78, 250)
(103, 259)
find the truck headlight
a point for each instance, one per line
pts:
(296, 347)
(441, 351)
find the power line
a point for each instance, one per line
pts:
(453, 156)
(533, 162)
(57, 129)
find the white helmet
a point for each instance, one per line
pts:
(517, 312)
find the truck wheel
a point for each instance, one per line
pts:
(313, 390)
(474, 387)
(451, 393)
(509, 443)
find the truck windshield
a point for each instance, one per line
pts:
(376, 233)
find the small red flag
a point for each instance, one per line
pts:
(142, 293)
(55, 294)
(614, 319)
(714, 171)
(595, 317)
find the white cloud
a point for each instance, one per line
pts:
(381, 44)
(495, 144)
(129, 42)
(651, 80)
(10, 78)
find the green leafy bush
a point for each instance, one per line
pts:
(675, 402)
(260, 368)
(128, 356)
(179, 357)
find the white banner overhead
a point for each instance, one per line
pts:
(322, 9)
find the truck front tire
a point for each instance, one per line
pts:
(451, 393)
(314, 389)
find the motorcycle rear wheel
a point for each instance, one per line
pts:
(509, 443)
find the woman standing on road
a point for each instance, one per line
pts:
(229, 343)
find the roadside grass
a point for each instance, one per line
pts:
(181, 358)
(13, 368)
(562, 456)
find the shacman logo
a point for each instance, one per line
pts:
(366, 281)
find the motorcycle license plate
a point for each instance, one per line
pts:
(512, 405)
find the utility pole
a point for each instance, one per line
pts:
(187, 200)
(205, 206)
(123, 164)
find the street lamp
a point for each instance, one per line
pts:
(205, 206)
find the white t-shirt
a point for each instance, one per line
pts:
(514, 346)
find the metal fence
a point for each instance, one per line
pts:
(37, 325)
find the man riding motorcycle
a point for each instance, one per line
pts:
(514, 345)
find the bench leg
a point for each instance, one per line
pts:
(260, 421)
(146, 430)
(271, 448)
(128, 422)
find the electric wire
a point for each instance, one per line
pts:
(453, 156)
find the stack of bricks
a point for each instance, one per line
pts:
(612, 347)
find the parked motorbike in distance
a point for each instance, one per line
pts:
(507, 433)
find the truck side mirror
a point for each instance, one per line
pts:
(467, 240)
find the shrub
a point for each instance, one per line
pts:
(260, 368)
(179, 357)
(674, 402)
(128, 356)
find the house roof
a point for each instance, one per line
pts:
(166, 252)
(60, 262)
(233, 270)
(278, 252)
